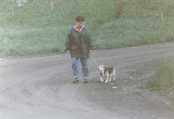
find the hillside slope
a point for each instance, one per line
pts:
(40, 27)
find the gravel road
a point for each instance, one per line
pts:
(41, 88)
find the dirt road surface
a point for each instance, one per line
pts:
(41, 88)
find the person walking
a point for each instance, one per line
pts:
(78, 43)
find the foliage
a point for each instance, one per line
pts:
(40, 26)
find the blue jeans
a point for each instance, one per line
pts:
(79, 65)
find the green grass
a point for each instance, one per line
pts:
(36, 29)
(125, 32)
(164, 79)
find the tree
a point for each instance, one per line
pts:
(119, 8)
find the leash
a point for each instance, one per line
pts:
(94, 61)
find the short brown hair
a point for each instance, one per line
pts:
(80, 19)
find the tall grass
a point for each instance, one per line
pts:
(36, 28)
(128, 31)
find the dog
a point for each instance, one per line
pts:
(107, 73)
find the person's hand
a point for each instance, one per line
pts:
(92, 51)
(66, 54)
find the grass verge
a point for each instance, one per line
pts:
(164, 78)
(38, 28)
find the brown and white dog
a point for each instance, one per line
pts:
(107, 73)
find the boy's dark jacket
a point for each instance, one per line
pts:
(78, 43)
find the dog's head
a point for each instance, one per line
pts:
(105, 68)
(101, 68)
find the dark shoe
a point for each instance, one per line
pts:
(85, 81)
(75, 81)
